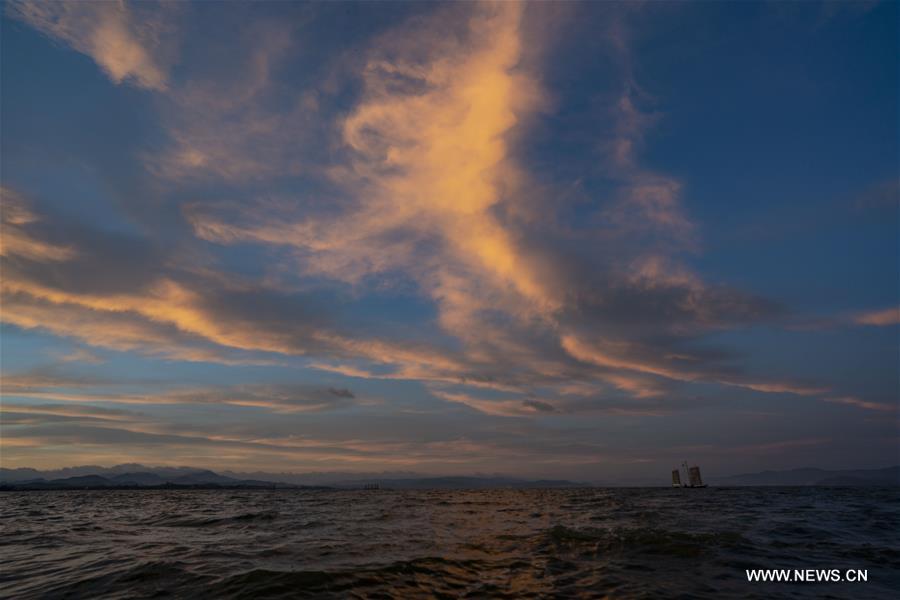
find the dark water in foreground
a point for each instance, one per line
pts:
(591, 543)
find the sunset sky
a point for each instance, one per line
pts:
(569, 240)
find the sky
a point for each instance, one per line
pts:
(567, 240)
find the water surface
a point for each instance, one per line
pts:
(585, 543)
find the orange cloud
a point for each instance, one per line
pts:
(277, 398)
(853, 401)
(503, 408)
(428, 187)
(124, 40)
(429, 165)
(73, 411)
(14, 237)
(615, 356)
(879, 318)
(429, 173)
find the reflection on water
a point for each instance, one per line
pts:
(590, 543)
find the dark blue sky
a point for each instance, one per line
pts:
(582, 240)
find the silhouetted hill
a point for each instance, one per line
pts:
(141, 479)
(889, 476)
(143, 476)
(166, 473)
(203, 476)
(82, 481)
(459, 483)
(171, 474)
(136, 475)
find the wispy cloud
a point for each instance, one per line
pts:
(14, 237)
(20, 414)
(865, 404)
(879, 318)
(503, 407)
(276, 397)
(222, 127)
(127, 40)
(377, 211)
(430, 172)
(79, 355)
(430, 185)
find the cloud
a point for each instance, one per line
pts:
(427, 159)
(432, 182)
(32, 414)
(629, 357)
(647, 207)
(503, 407)
(428, 193)
(878, 318)
(121, 293)
(865, 404)
(280, 398)
(118, 292)
(250, 444)
(774, 447)
(595, 401)
(46, 377)
(286, 398)
(241, 126)
(399, 204)
(14, 237)
(429, 173)
(116, 330)
(126, 40)
(80, 355)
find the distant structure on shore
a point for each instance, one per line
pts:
(371, 486)
(692, 474)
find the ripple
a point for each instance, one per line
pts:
(451, 544)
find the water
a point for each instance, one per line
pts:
(588, 543)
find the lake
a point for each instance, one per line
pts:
(538, 543)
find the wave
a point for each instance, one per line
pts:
(426, 577)
(643, 543)
(181, 521)
(144, 580)
(645, 540)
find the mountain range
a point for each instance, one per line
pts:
(32, 479)
(137, 475)
(889, 476)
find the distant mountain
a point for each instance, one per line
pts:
(167, 473)
(135, 475)
(114, 478)
(171, 473)
(889, 476)
(141, 478)
(82, 481)
(203, 476)
(137, 480)
(459, 483)
(323, 477)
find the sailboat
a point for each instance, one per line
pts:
(693, 477)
